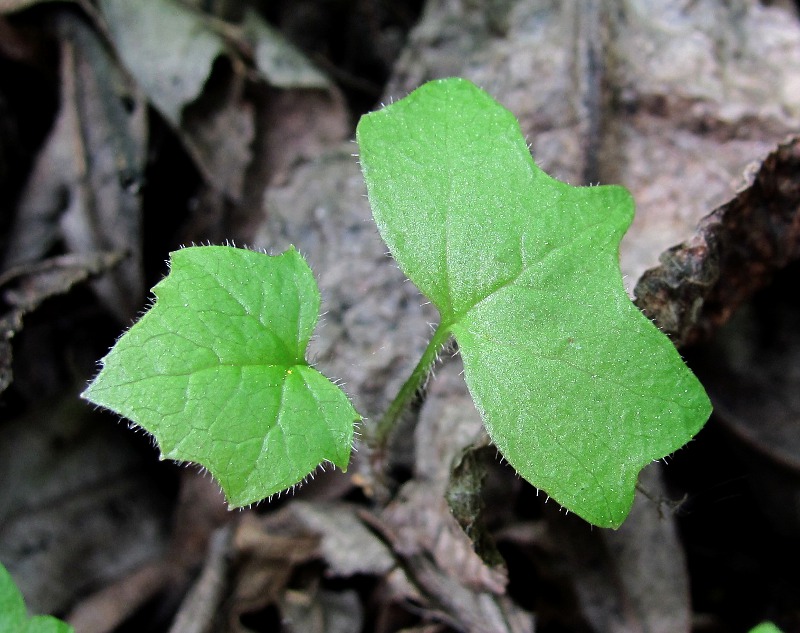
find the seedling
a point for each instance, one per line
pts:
(578, 390)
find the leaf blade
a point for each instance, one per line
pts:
(524, 271)
(215, 370)
(14, 615)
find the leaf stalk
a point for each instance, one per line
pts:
(404, 398)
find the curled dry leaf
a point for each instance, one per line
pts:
(280, 63)
(736, 250)
(85, 184)
(446, 597)
(173, 52)
(346, 545)
(438, 558)
(268, 549)
(24, 287)
(167, 47)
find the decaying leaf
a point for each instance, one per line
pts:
(736, 250)
(281, 64)
(24, 287)
(167, 47)
(85, 186)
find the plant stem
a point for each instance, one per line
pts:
(411, 386)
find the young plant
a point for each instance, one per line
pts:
(577, 389)
(14, 617)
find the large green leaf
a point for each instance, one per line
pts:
(216, 371)
(577, 389)
(14, 617)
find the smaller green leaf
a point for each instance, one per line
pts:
(14, 617)
(216, 371)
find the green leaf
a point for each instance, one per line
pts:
(14, 617)
(216, 371)
(765, 627)
(577, 389)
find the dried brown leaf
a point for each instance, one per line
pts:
(736, 250)
(280, 63)
(322, 611)
(218, 130)
(346, 545)
(25, 286)
(167, 47)
(269, 549)
(84, 188)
